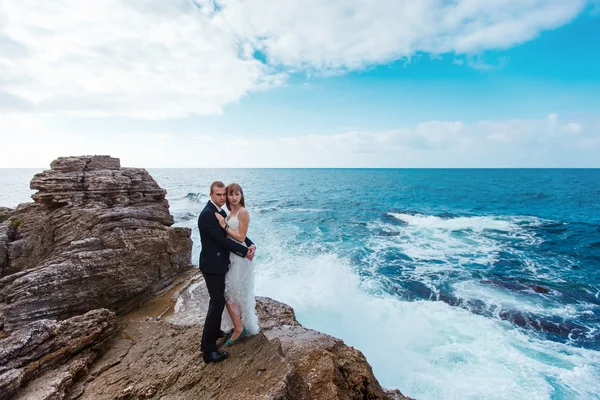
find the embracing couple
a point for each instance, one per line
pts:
(225, 263)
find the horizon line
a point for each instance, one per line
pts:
(324, 168)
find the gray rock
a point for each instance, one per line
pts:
(45, 344)
(96, 236)
(96, 241)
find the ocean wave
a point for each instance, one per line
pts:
(435, 343)
(181, 216)
(264, 209)
(299, 210)
(304, 210)
(433, 241)
(430, 249)
(456, 260)
(476, 224)
(194, 197)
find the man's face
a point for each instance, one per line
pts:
(218, 196)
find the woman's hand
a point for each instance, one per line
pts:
(221, 220)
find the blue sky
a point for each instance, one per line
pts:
(498, 84)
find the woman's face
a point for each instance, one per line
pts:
(234, 197)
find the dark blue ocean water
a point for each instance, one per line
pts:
(470, 284)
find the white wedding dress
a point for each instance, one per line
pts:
(239, 287)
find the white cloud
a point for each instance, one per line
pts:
(555, 126)
(545, 142)
(160, 59)
(573, 127)
(147, 59)
(350, 34)
(485, 65)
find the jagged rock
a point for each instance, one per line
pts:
(96, 236)
(157, 358)
(45, 344)
(97, 179)
(6, 234)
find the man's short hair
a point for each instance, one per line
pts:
(217, 184)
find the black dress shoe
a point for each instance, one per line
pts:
(214, 356)
(224, 334)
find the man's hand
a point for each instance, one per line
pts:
(251, 252)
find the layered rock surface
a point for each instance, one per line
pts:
(157, 355)
(97, 236)
(64, 348)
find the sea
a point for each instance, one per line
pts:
(454, 283)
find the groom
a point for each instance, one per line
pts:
(214, 264)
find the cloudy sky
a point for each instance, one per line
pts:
(301, 83)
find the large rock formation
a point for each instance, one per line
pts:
(97, 236)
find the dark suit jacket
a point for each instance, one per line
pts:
(216, 245)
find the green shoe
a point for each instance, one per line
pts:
(231, 342)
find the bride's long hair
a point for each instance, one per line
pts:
(231, 189)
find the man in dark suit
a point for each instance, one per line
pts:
(214, 264)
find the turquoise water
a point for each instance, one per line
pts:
(455, 284)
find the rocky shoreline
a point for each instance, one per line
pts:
(98, 300)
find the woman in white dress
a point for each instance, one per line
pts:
(239, 281)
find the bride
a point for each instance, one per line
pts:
(239, 281)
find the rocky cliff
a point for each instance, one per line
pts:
(97, 236)
(157, 355)
(98, 301)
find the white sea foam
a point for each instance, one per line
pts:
(477, 224)
(304, 210)
(442, 249)
(433, 254)
(437, 244)
(427, 349)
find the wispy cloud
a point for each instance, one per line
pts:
(544, 142)
(349, 34)
(482, 64)
(162, 59)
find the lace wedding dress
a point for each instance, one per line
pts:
(239, 287)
